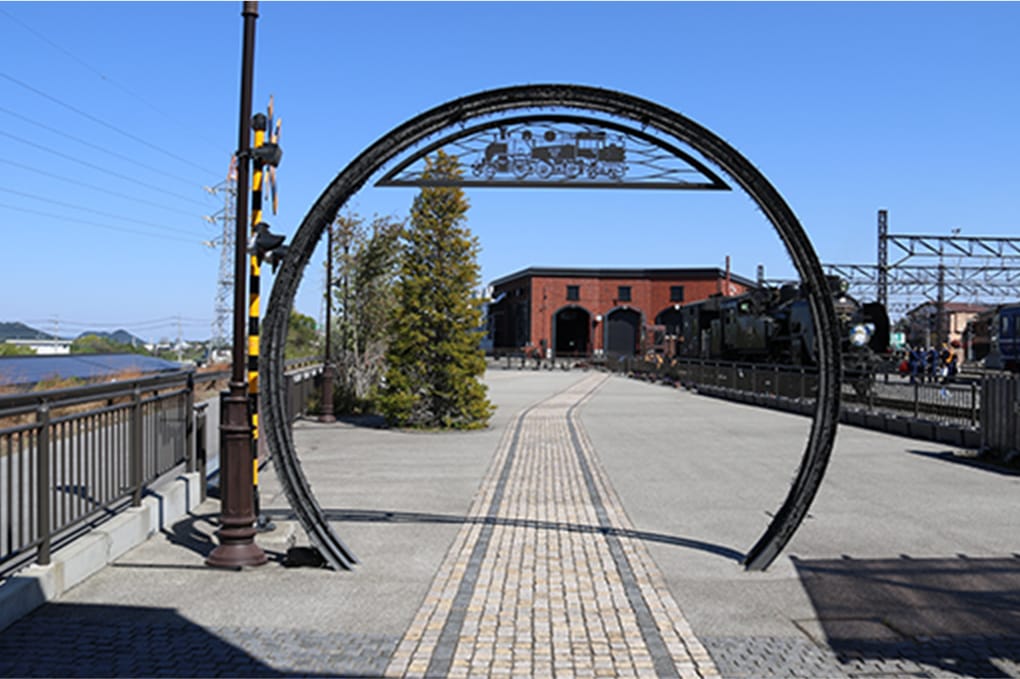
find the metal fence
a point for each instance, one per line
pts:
(70, 458)
(1000, 415)
(949, 403)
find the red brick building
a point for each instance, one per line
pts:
(585, 312)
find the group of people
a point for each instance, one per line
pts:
(931, 364)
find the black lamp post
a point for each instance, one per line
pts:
(237, 546)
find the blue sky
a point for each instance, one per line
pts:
(114, 116)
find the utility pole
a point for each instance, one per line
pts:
(224, 280)
(328, 369)
(236, 535)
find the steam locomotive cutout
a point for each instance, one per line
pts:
(596, 154)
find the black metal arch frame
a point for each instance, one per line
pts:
(403, 138)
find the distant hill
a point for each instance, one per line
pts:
(121, 336)
(21, 331)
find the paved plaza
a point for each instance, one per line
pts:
(595, 529)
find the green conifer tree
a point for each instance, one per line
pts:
(434, 358)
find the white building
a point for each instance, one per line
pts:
(44, 347)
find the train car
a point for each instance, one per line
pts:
(1004, 339)
(774, 325)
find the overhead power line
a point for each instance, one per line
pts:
(101, 149)
(102, 76)
(80, 208)
(74, 220)
(93, 187)
(105, 124)
(99, 168)
(138, 325)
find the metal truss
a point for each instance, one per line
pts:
(986, 284)
(1002, 248)
(976, 269)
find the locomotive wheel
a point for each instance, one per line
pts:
(571, 168)
(521, 168)
(489, 171)
(543, 169)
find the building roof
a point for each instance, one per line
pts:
(953, 307)
(659, 274)
(31, 369)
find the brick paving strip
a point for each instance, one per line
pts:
(543, 580)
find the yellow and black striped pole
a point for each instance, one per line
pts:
(259, 126)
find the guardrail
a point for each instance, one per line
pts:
(70, 458)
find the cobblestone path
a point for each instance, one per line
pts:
(529, 588)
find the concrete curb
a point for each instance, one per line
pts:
(72, 564)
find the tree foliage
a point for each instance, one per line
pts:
(97, 344)
(365, 259)
(434, 358)
(15, 350)
(302, 337)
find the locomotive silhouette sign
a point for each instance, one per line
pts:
(561, 151)
(564, 154)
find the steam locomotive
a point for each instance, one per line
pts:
(555, 153)
(773, 324)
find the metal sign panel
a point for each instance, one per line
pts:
(560, 151)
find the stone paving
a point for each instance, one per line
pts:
(516, 557)
(527, 590)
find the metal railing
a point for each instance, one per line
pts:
(951, 403)
(70, 458)
(72, 455)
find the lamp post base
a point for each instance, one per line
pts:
(237, 546)
(235, 556)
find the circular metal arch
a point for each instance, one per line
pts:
(275, 424)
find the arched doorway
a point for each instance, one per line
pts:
(572, 331)
(623, 331)
(672, 320)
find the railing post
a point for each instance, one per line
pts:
(201, 451)
(189, 423)
(917, 390)
(973, 404)
(136, 447)
(43, 494)
(803, 384)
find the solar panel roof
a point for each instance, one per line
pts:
(19, 370)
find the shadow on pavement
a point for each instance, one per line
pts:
(957, 614)
(185, 533)
(85, 640)
(975, 461)
(382, 516)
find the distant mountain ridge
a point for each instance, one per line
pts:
(121, 336)
(20, 331)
